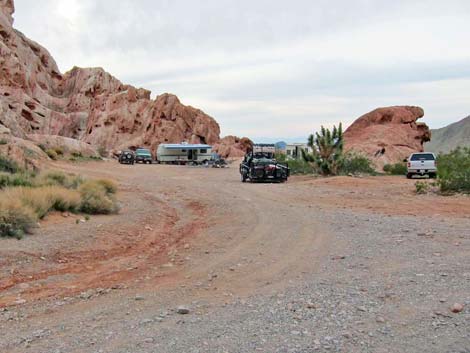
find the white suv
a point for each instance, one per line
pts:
(422, 164)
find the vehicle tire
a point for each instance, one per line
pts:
(432, 175)
(409, 175)
(243, 178)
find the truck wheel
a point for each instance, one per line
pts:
(243, 178)
(409, 175)
(432, 175)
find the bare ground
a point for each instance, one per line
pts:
(338, 264)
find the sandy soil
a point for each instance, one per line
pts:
(188, 234)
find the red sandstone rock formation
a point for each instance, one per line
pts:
(388, 135)
(232, 146)
(89, 105)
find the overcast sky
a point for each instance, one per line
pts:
(268, 68)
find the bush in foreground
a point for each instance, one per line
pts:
(453, 171)
(353, 163)
(98, 197)
(18, 179)
(16, 219)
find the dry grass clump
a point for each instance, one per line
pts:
(42, 200)
(16, 219)
(25, 197)
(98, 197)
(68, 181)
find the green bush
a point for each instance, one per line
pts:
(453, 171)
(17, 179)
(395, 169)
(96, 198)
(16, 219)
(52, 154)
(296, 166)
(7, 165)
(3, 142)
(353, 163)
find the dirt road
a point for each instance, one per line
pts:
(340, 264)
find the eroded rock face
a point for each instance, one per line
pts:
(388, 135)
(232, 146)
(89, 105)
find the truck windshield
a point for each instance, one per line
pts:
(422, 157)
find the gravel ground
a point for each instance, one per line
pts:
(381, 282)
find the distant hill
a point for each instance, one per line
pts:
(450, 137)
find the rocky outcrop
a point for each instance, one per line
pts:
(88, 105)
(23, 152)
(65, 144)
(388, 135)
(232, 146)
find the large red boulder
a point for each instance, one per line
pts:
(89, 104)
(232, 146)
(388, 135)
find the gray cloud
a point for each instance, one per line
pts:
(285, 67)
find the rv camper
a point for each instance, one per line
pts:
(184, 153)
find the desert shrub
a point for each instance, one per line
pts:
(52, 154)
(7, 165)
(109, 185)
(59, 151)
(96, 199)
(43, 200)
(395, 169)
(353, 163)
(42, 147)
(3, 142)
(77, 154)
(296, 166)
(64, 199)
(16, 219)
(68, 181)
(422, 187)
(453, 170)
(17, 179)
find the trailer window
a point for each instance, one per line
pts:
(203, 150)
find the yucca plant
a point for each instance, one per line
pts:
(327, 149)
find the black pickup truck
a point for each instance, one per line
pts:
(261, 165)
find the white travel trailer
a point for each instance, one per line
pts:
(183, 153)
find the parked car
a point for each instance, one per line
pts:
(127, 157)
(260, 165)
(421, 164)
(143, 155)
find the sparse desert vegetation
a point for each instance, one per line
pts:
(453, 171)
(26, 197)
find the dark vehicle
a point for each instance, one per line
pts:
(143, 155)
(260, 165)
(127, 157)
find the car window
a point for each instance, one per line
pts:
(422, 157)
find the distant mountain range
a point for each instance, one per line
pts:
(450, 137)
